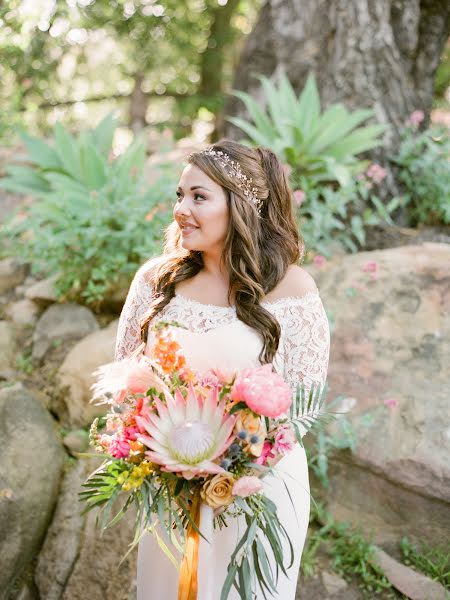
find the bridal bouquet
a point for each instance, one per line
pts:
(179, 443)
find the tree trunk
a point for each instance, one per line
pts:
(211, 68)
(379, 54)
(138, 104)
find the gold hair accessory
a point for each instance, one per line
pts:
(234, 170)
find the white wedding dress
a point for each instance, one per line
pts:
(216, 337)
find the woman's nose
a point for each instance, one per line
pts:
(183, 207)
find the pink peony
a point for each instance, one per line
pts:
(267, 452)
(284, 440)
(299, 197)
(265, 393)
(246, 486)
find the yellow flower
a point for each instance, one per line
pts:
(216, 492)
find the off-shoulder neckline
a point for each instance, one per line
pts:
(278, 301)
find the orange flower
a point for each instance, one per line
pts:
(167, 352)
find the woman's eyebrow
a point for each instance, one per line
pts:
(194, 187)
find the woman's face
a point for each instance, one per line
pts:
(201, 211)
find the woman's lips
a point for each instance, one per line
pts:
(188, 229)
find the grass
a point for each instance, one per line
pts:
(24, 363)
(433, 562)
(349, 551)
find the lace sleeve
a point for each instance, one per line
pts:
(305, 343)
(136, 305)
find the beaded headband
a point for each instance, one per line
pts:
(234, 170)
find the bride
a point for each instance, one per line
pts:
(229, 274)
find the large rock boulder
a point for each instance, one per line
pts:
(60, 323)
(74, 557)
(30, 470)
(390, 348)
(23, 312)
(43, 291)
(7, 346)
(75, 374)
(12, 273)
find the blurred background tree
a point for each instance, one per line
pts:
(158, 63)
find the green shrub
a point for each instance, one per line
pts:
(342, 214)
(424, 170)
(94, 219)
(320, 151)
(318, 147)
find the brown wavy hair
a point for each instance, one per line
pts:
(257, 250)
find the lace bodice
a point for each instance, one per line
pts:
(304, 347)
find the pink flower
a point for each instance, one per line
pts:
(209, 379)
(265, 393)
(391, 402)
(319, 260)
(116, 445)
(267, 452)
(131, 432)
(287, 169)
(246, 486)
(416, 118)
(376, 173)
(223, 375)
(370, 267)
(284, 440)
(299, 197)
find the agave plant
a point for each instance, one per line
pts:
(187, 435)
(321, 146)
(90, 221)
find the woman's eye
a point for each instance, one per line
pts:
(198, 196)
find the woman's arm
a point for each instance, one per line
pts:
(305, 343)
(137, 303)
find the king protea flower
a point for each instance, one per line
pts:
(186, 435)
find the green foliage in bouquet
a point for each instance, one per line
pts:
(320, 150)
(90, 221)
(424, 161)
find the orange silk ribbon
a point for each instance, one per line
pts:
(188, 584)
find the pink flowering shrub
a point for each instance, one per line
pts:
(376, 173)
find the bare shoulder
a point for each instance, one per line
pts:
(296, 282)
(147, 270)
